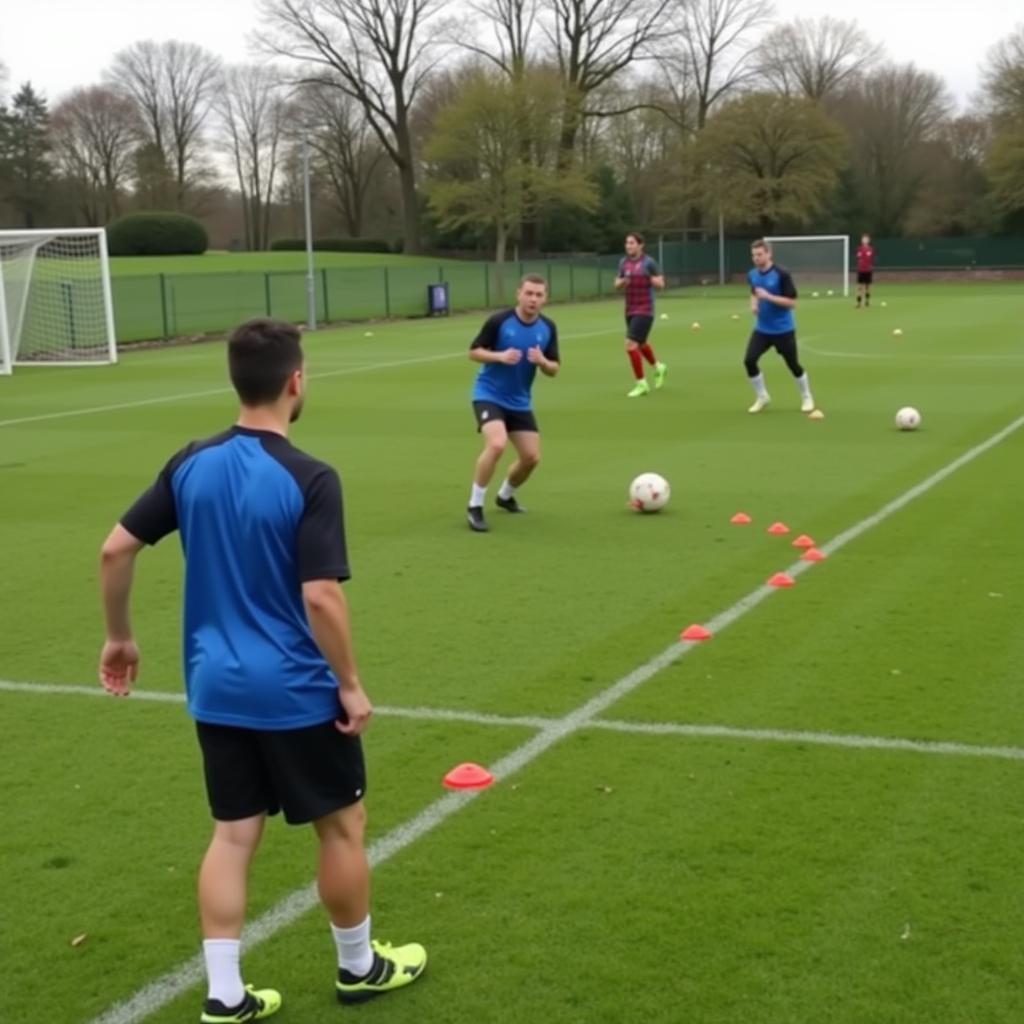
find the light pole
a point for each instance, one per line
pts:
(310, 277)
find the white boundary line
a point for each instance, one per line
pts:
(187, 395)
(177, 981)
(980, 358)
(424, 714)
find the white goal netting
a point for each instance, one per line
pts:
(55, 301)
(818, 261)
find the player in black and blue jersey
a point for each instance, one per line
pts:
(773, 298)
(270, 670)
(512, 345)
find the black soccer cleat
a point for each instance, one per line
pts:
(475, 518)
(509, 504)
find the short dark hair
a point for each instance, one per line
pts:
(636, 234)
(761, 243)
(262, 355)
(533, 279)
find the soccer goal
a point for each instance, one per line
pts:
(55, 302)
(821, 260)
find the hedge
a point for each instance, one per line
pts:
(156, 234)
(331, 245)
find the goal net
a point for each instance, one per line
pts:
(55, 302)
(822, 261)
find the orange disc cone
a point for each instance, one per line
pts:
(780, 579)
(468, 776)
(803, 541)
(741, 519)
(695, 632)
(778, 529)
(813, 555)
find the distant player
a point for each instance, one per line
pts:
(513, 345)
(865, 270)
(639, 275)
(772, 301)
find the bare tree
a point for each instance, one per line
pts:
(174, 85)
(253, 110)
(815, 58)
(594, 41)
(713, 47)
(375, 52)
(892, 120)
(92, 132)
(1002, 76)
(348, 153)
(512, 23)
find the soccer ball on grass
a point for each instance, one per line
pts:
(649, 492)
(908, 418)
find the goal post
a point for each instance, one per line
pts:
(56, 307)
(823, 260)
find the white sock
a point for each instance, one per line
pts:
(354, 952)
(477, 496)
(757, 383)
(507, 491)
(223, 973)
(804, 383)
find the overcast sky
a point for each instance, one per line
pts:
(61, 44)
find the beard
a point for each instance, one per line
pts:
(297, 409)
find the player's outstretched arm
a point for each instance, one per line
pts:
(327, 612)
(119, 659)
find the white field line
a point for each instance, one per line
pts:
(187, 395)
(177, 981)
(979, 358)
(423, 714)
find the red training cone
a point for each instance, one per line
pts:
(468, 776)
(741, 519)
(778, 529)
(803, 541)
(695, 632)
(780, 579)
(813, 555)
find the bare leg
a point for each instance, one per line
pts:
(527, 445)
(495, 439)
(224, 876)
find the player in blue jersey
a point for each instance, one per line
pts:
(270, 670)
(513, 345)
(772, 300)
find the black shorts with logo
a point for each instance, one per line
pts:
(865, 276)
(514, 419)
(638, 328)
(307, 773)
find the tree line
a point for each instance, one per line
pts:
(550, 125)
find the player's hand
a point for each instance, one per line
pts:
(761, 293)
(536, 356)
(511, 356)
(119, 666)
(358, 710)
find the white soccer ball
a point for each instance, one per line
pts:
(649, 492)
(908, 418)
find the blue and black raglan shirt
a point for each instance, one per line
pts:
(257, 518)
(776, 280)
(511, 386)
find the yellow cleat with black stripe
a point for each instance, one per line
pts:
(393, 968)
(257, 1005)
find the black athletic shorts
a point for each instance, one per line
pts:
(638, 328)
(307, 773)
(865, 276)
(514, 419)
(784, 344)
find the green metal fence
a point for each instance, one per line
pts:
(176, 305)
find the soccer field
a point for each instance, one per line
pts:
(816, 816)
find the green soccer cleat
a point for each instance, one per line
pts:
(660, 369)
(257, 1004)
(392, 968)
(640, 388)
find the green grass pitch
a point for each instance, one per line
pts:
(815, 816)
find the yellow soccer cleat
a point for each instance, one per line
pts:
(257, 1005)
(392, 968)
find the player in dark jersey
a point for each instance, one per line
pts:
(512, 345)
(772, 300)
(270, 671)
(865, 270)
(638, 276)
